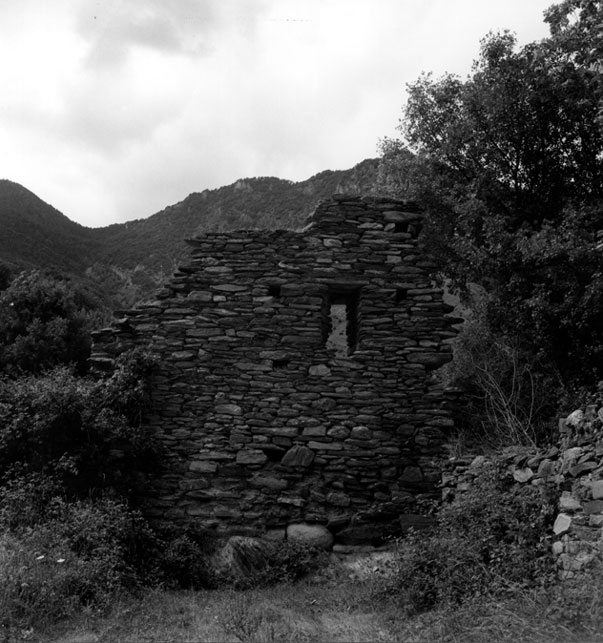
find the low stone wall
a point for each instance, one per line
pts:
(295, 381)
(573, 470)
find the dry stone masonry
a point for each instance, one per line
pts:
(571, 469)
(296, 375)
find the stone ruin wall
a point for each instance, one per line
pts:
(265, 417)
(570, 471)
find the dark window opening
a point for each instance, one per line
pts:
(274, 290)
(408, 227)
(341, 327)
(280, 363)
(401, 295)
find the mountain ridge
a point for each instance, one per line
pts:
(127, 261)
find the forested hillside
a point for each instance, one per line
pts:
(33, 234)
(265, 202)
(125, 262)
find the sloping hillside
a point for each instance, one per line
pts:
(126, 262)
(158, 241)
(33, 234)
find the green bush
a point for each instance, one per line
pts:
(510, 394)
(289, 562)
(181, 557)
(44, 322)
(489, 541)
(81, 554)
(88, 434)
(26, 500)
(577, 602)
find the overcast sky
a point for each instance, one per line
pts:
(112, 109)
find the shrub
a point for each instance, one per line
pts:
(489, 541)
(82, 554)
(510, 395)
(289, 562)
(26, 500)
(44, 322)
(577, 602)
(88, 434)
(181, 558)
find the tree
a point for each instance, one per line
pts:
(5, 276)
(576, 28)
(44, 321)
(509, 166)
(85, 433)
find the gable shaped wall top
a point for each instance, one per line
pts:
(296, 372)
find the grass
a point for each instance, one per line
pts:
(301, 612)
(335, 606)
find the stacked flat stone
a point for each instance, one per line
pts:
(263, 425)
(573, 468)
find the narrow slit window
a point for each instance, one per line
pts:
(408, 227)
(342, 322)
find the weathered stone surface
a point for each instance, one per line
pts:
(274, 355)
(567, 502)
(338, 499)
(251, 456)
(315, 431)
(562, 524)
(593, 507)
(312, 535)
(203, 466)
(228, 287)
(361, 433)
(339, 432)
(597, 489)
(298, 456)
(229, 409)
(254, 399)
(263, 480)
(557, 548)
(523, 475)
(183, 355)
(240, 558)
(199, 295)
(412, 474)
(320, 370)
(325, 446)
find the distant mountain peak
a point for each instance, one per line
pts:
(127, 260)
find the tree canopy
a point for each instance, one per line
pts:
(44, 322)
(509, 166)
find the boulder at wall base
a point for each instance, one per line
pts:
(240, 558)
(312, 535)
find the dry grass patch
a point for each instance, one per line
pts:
(337, 610)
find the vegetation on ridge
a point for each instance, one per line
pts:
(508, 164)
(125, 262)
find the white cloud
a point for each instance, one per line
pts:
(113, 109)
